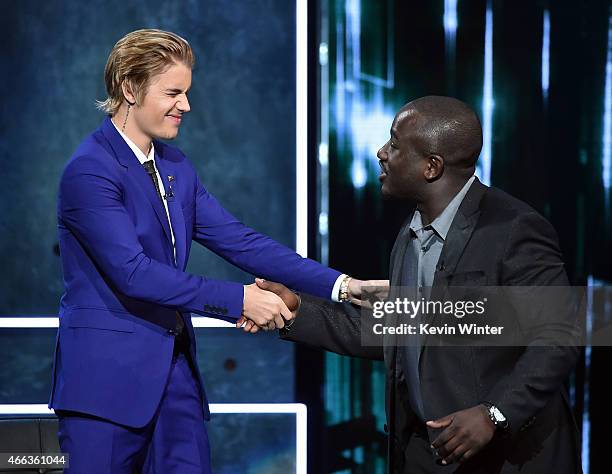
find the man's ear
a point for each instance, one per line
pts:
(434, 168)
(128, 95)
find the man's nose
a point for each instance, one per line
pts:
(183, 105)
(381, 154)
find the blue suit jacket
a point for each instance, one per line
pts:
(113, 349)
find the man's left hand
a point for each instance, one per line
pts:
(365, 293)
(465, 433)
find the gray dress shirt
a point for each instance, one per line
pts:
(418, 269)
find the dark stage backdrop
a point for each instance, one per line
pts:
(539, 74)
(239, 134)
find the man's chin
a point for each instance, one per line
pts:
(168, 135)
(385, 192)
(390, 195)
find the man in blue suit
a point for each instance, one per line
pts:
(126, 386)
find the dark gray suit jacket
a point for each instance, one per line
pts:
(497, 240)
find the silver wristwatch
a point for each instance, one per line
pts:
(496, 416)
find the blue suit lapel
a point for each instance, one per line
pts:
(174, 208)
(136, 171)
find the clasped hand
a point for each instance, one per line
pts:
(269, 305)
(263, 309)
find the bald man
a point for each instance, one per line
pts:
(465, 409)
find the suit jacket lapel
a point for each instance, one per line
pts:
(136, 171)
(174, 209)
(459, 234)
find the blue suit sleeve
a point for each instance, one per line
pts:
(90, 205)
(218, 230)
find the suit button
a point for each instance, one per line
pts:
(386, 428)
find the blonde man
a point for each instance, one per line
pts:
(126, 386)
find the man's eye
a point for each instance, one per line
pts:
(394, 145)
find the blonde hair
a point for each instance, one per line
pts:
(137, 57)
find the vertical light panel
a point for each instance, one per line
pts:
(450, 18)
(586, 418)
(353, 36)
(368, 117)
(323, 182)
(450, 32)
(545, 54)
(607, 123)
(301, 127)
(484, 166)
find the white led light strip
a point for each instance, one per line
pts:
(298, 409)
(301, 127)
(53, 322)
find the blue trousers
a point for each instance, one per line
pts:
(175, 441)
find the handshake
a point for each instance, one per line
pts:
(268, 305)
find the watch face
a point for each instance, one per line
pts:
(498, 414)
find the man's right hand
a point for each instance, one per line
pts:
(289, 299)
(263, 309)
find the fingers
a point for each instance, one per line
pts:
(247, 325)
(266, 308)
(278, 321)
(285, 312)
(441, 422)
(253, 328)
(274, 287)
(440, 442)
(456, 455)
(445, 449)
(290, 299)
(467, 455)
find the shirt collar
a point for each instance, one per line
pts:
(137, 151)
(442, 223)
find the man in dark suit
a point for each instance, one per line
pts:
(471, 408)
